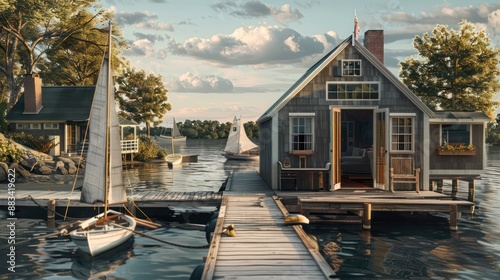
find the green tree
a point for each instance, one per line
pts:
(458, 71)
(78, 60)
(29, 29)
(143, 98)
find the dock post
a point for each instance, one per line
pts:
(367, 216)
(439, 186)
(51, 210)
(454, 217)
(131, 207)
(454, 188)
(432, 185)
(472, 191)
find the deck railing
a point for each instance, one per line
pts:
(130, 146)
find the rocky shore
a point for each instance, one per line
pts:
(36, 167)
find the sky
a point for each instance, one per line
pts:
(225, 58)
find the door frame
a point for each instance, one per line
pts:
(335, 148)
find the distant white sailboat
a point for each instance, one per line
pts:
(103, 180)
(238, 146)
(176, 134)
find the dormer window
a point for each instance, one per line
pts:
(351, 67)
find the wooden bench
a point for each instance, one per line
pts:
(403, 171)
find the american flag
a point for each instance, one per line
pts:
(356, 26)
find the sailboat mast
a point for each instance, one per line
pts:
(173, 135)
(108, 128)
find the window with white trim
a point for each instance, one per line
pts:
(351, 67)
(301, 133)
(28, 126)
(352, 91)
(402, 134)
(456, 134)
(23, 126)
(51, 126)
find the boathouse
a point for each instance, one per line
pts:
(348, 120)
(61, 113)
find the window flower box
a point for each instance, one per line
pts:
(456, 150)
(457, 153)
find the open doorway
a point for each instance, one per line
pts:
(356, 148)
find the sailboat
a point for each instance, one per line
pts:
(103, 179)
(238, 146)
(173, 158)
(176, 134)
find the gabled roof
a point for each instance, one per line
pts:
(325, 61)
(59, 103)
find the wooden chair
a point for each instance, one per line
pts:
(403, 171)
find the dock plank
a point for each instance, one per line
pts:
(265, 247)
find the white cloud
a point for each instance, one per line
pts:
(494, 21)
(257, 9)
(254, 45)
(189, 82)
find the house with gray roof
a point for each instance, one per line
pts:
(349, 121)
(61, 113)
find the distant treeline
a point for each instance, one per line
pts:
(198, 129)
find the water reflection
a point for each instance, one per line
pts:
(86, 267)
(423, 246)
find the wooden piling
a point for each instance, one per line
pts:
(472, 191)
(432, 185)
(367, 216)
(439, 186)
(51, 216)
(453, 217)
(454, 188)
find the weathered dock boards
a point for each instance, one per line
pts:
(141, 199)
(264, 247)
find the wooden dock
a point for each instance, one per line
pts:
(264, 247)
(153, 204)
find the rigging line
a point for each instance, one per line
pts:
(164, 241)
(135, 205)
(79, 163)
(48, 209)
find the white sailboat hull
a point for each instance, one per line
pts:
(169, 138)
(173, 159)
(241, 156)
(103, 238)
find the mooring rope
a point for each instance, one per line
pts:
(48, 209)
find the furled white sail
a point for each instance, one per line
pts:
(103, 107)
(237, 141)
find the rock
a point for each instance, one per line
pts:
(62, 170)
(19, 169)
(44, 170)
(71, 169)
(30, 163)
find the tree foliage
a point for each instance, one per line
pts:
(207, 129)
(78, 59)
(30, 29)
(143, 98)
(458, 71)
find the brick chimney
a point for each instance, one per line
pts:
(374, 42)
(32, 94)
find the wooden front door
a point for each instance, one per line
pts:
(380, 155)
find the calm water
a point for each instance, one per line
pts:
(416, 248)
